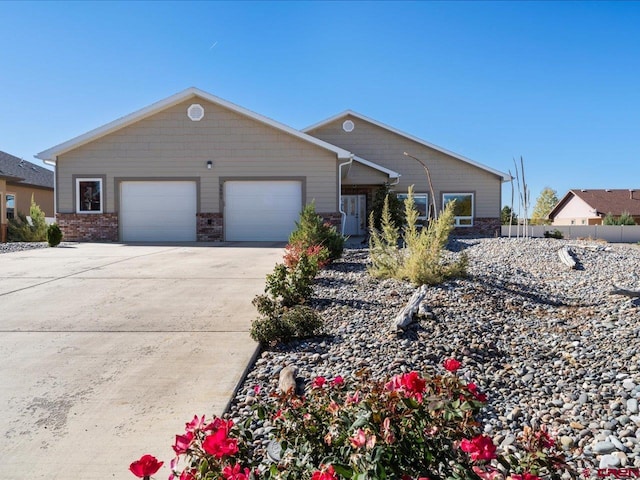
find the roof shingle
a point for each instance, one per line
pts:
(32, 174)
(611, 201)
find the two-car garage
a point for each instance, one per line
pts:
(164, 211)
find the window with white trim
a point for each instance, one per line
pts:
(10, 202)
(421, 202)
(463, 210)
(89, 198)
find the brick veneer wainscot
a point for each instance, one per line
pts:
(95, 227)
(210, 227)
(334, 218)
(482, 227)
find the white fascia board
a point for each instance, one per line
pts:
(504, 176)
(50, 154)
(375, 166)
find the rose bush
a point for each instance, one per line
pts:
(410, 427)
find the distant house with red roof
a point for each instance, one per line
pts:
(589, 207)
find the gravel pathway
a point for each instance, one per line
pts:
(547, 344)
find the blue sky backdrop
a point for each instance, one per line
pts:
(557, 83)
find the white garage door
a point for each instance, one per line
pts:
(261, 210)
(158, 211)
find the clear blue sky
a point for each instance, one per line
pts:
(555, 82)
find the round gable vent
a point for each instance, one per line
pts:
(195, 112)
(348, 126)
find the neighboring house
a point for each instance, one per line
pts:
(19, 181)
(197, 167)
(589, 207)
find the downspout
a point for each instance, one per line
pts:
(343, 214)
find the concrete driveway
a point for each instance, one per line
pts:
(106, 350)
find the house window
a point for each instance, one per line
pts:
(421, 202)
(463, 209)
(11, 205)
(89, 195)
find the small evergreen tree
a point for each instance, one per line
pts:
(383, 245)
(394, 205)
(312, 230)
(38, 222)
(507, 215)
(624, 219)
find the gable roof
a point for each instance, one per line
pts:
(504, 176)
(49, 155)
(21, 171)
(605, 201)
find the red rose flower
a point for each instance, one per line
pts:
(145, 467)
(479, 448)
(219, 444)
(337, 382)
(473, 388)
(451, 364)
(524, 476)
(235, 472)
(196, 424)
(325, 473)
(319, 382)
(183, 442)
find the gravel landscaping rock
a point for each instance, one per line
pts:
(548, 345)
(21, 246)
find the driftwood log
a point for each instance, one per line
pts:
(566, 257)
(624, 291)
(405, 317)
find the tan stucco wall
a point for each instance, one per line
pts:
(576, 212)
(448, 174)
(42, 196)
(169, 144)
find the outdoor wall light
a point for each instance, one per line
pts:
(209, 164)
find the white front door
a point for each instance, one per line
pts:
(355, 207)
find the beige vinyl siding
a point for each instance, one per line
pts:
(168, 144)
(359, 174)
(448, 174)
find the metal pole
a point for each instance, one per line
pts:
(433, 198)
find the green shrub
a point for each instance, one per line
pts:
(409, 427)
(54, 235)
(312, 230)
(420, 261)
(38, 222)
(282, 316)
(280, 324)
(554, 234)
(423, 263)
(383, 245)
(19, 229)
(624, 219)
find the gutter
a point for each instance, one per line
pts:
(343, 214)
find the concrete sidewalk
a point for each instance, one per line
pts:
(108, 349)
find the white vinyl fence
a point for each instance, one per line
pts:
(610, 233)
